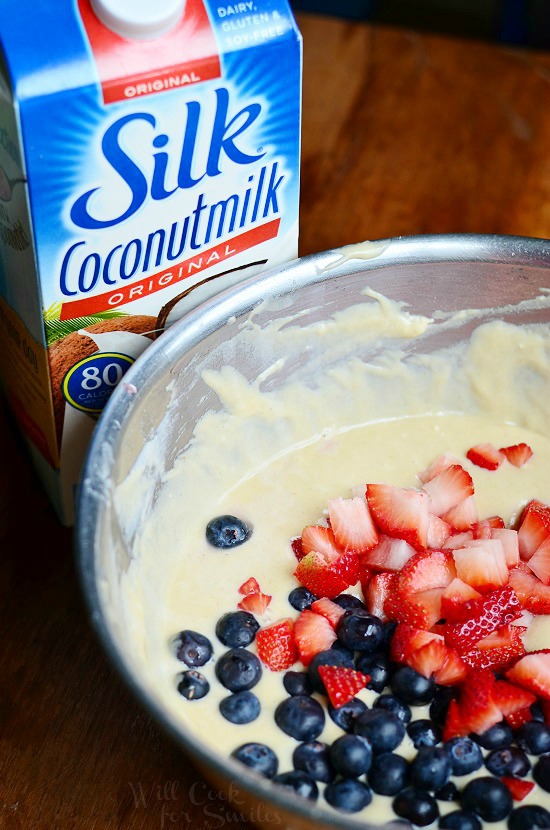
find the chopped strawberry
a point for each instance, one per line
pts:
(518, 787)
(457, 540)
(454, 726)
(532, 672)
(454, 670)
(407, 639)
(352, 524)
(477, 707)
(454, 596)
(510, 698)
(517, 719)
(376, 593)
(539, 562)
(484, 615)
(389, 554)
(328, 609)
(400, 512)
(365, 575)
(498, 650)
(449, 487)
(297, 547)
(510, 545)
(441, 463)
(327, 575)
(438, 532)
(533, 595)
(320, 539)
(517, 454)
(255, 603)
(342, 683)
(534, 528)
(485, 455)
(312, 634)
(431, 658)
(421, 609)
(463, 515)
(251, 586)
(276, 646)
(426, 570)
(482, 530)
(482, 564)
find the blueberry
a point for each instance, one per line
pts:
(388, 774)
(258, 757)
(241, 707)
(431, 768)
(460, 820)
(359, 630)
(417, 806)
(448, 792)
(313, 757)
(299, 782)
(192, 648)
(530, 817)
(440, 704)
(344, 716)
(347, 601)
(382, 729)
(389, 631)
(377, 666)
(301, 717)
(330, 657)
(424, 733)
(348, 795)
(238, 670)
(193, 685)
(511, 761)
(297, 683)
(536, 712)
(237, 629)
(412, 687)
(351, 755)
(488, 797)
(541, 772)
(465, 755)
(534, 737)
(342, 649)
(301, 598)
(227, 532)
(498, 736)
(391, 703)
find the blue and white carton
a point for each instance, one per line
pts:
(149, 158)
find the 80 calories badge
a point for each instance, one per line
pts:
(89, 384)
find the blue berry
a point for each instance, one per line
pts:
(227, 532)
(313, 757)
(511, 761)
(382, 729)
(238, 670)
(347, 601)
(529, 817)
(301, 598)
(541, 772)
(498, 736)
(299, 783)
(297, 683)
(417, 806)
(424, 733)
(391, 703)
(193, 685)
(377, 666)
(241, 707)
(344, 716)
(460, 820)
(348, 795)
(342, 649)
(534, 738)
(258, 757)
(351, 755)
(431, 768)
(488, 797)
(440, 704)
(536, 712)
(237, 629)
(388, 774)
(359, 630)
(412, 687)
(465, 755)
(301, 717)
(448, 792)
(330, 657)
(192, 648)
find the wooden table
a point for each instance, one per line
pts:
(403, 133)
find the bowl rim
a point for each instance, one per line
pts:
(186, 333)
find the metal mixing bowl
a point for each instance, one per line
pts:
(431, 274)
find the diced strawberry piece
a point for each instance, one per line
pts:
(482, 564)
(532, 594)
(430, 658)
(454, 723)
(312, 634)
(485, 455)
(407, 639)
(454, 670)
(485, 615)
(255, 603)
(449, 487)
(510, 545)
(400, 512)
(518, 788)
(482, 530)
(438, 532)
(477, 707)
(457, 540)
(297, 548)
(276, 647)
(376, 593)
(441, 463)
(352, 524)
(365, 575)
(342, 683)
(462, 516)
(517, 719)
(327, 575)
(251, 586)
(498, 650)
(511, 698)
(421, 609)
(517, 454)
(534, 528)
(389, 554)
(454, 596)
(328, 609)
(426, 570)
(320, 539)
(532, 672)
(539, 562)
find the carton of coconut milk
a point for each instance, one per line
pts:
(149, 157)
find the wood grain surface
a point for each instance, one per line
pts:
(403, 133)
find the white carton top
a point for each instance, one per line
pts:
(139, 19)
